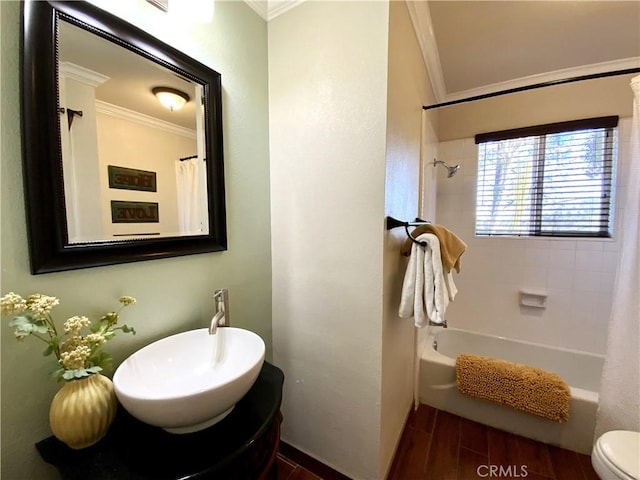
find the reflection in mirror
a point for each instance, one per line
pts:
(131, 166)
(112, 176)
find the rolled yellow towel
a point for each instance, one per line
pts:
(525, 388)
(451, 246)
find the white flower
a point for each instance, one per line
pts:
(12, 304)
(75, 324)
(126, 300)
(75, 358)
(41, 304)
(79, 354)
(95, 339)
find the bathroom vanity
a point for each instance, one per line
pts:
(241, 446)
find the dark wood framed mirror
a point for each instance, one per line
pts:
(101, 188)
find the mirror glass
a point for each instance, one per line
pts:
(131, 166)
(112, 175)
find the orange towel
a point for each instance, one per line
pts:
(451, 247)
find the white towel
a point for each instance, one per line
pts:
(424, 290)
(452, 290)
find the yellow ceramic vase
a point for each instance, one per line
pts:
(82, 411)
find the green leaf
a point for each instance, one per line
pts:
(102, 359)
(58, 374)
(127, 329)
(54, 342)
(80, 373)
(44, 329)
(26, 325)
(19, 320)
(48, 351)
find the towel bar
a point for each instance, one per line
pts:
(394, 223)
(433, 324)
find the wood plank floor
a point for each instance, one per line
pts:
(289, 470)
(437, 445)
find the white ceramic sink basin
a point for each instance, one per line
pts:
(191, 380)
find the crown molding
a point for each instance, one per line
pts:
(81, 74)
(421, 19)
(270, 9)
(140, 118)
(563, 74)
(258, 6)
(278, 7)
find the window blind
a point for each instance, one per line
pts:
(548, 180)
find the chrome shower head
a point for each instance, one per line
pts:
(451, 170)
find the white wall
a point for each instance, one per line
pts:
(593, 98)
(131, 144)
(81, 178)
(408, 89)
(327, 120)
(577, 274)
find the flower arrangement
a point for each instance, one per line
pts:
(79, 353)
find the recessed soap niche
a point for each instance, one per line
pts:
(533, 299)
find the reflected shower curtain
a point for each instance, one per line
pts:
(187, 177)
(619, 407)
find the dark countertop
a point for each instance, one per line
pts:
(137, 451)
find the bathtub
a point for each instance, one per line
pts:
(581, 371)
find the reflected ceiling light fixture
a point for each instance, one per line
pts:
(451, 170)
(170, 97)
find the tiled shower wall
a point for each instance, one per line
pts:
(577, 275)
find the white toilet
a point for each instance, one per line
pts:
(616, 455)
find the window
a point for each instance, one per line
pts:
(548, 180)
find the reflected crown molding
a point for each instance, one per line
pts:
(146, 120)
(82, 74)
(270, 9)
(258, 6)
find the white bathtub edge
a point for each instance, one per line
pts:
(438, 389)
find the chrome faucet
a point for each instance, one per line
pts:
(221, 318)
